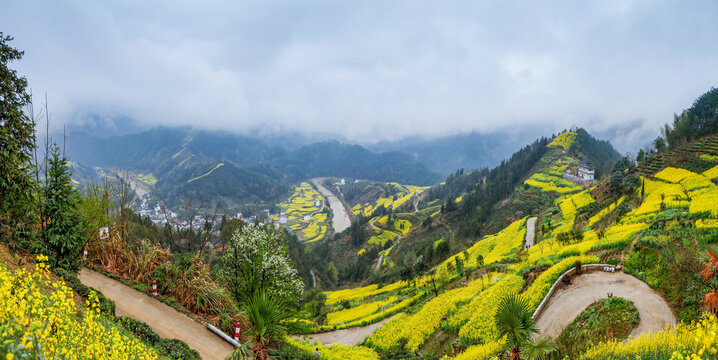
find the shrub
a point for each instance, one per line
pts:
(176, 349)
(139, 329)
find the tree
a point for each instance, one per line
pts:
(563, 238)
(616, 181)
(256, 260)
(17, 141)
(63, 234)
(514, 320)
(332, 273)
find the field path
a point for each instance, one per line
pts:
(166, 321)
(340, 217)
(397, 238)
(530, 232)
(350, 336)
(568, 302)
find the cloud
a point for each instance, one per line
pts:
(370, 70)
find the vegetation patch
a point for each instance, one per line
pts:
(608, 319)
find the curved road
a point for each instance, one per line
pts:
(568, 302)
(340, 217)
(166, 321)
(350, 336)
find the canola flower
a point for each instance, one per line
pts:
(495, 285)
(673, 175)
(480, 326)
(362, 292)
(687, 341)
(336, 352)
(711, 173)
(540, 287)
(564, 140)
(594, 219)
(38, 319)
(417, 328)
(301, 203)
(358, 312)
(484, 351)
(389, 311)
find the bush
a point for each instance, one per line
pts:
(107, 306)
(139, 329)
(176, 349)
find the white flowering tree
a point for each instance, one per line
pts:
(256, 260)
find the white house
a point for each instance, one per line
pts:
(586, 171)
(307, 217)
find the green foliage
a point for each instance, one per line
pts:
(139, 329)
(514, 320)
(266, 313)
(607, 319)
(256, 260)
(176, 349)
(699, 120)
(63, 232)
(17, 141)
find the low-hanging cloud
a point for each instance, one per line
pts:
(370, 70)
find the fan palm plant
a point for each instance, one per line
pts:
(514, 320)
(265, 313)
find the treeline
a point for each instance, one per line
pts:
(499, 183)
(700, 120)
(600, 152)
(456, 184)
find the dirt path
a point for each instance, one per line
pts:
(567, 303)
(530, 232)
(350, 336)
(340, 217)
(381, 257)
(166, 321)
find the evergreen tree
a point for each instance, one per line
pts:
(17, 141)
(63, 232)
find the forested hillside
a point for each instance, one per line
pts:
(235, 170)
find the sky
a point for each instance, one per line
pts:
(370, 70)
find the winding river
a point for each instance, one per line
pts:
(340, 218)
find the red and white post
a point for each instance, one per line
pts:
(237, 328)
(84, 254)
(154, 287)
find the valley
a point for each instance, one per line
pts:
(228, 242)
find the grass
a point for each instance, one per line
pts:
(608, 319)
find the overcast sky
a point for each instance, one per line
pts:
(370, 70)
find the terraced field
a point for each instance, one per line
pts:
(304, 213)
(464, 311)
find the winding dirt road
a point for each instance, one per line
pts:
(397, 238)
(568, 302)
(350, 336)
(166, 321)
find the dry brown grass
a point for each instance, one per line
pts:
(187, 280)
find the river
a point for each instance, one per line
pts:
(340, 219)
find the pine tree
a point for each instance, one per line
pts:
(63, 232)
(17, 141)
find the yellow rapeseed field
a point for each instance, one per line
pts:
(39, 319)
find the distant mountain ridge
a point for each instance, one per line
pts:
(251, 170)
